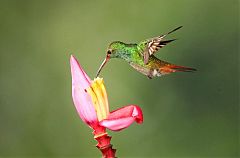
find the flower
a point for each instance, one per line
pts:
(91, 101)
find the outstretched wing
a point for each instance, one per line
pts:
(154, 44)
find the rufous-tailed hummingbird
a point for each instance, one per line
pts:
(141, 56)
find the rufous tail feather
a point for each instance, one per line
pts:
(169, 68)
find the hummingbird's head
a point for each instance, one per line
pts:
(114, 50)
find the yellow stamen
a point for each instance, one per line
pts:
(98, 94)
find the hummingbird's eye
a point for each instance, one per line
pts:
(109, 52)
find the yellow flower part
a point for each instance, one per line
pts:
(98, 93)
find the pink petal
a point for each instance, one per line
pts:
(123, 117)
(81, 99)
(80, 77)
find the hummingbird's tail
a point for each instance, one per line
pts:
(169, 68)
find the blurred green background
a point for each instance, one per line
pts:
(186, 114)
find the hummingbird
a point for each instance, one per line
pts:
(141, 56)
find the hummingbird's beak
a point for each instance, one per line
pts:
(102, 65)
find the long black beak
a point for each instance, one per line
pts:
(102, 65)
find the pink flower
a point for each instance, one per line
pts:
(91, 101)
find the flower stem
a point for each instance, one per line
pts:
(104, 145)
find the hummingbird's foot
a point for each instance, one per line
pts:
(150, 76)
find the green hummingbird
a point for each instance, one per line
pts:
(141, 56)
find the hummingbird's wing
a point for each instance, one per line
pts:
(154, 44)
